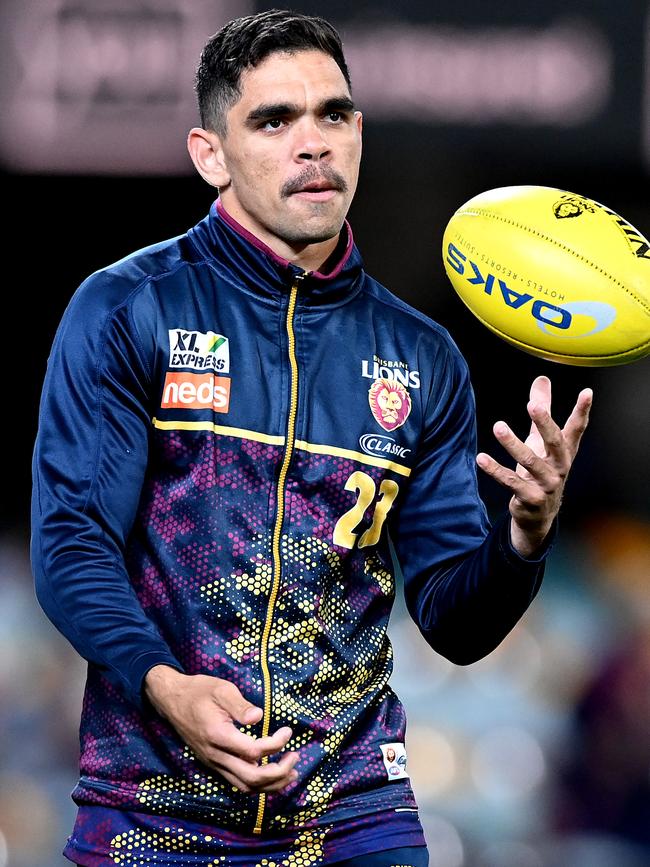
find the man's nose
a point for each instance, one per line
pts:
(311, 143)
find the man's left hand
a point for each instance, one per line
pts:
(543, 464)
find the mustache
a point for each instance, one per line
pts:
(309, 175)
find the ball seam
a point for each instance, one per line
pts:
(481, 213)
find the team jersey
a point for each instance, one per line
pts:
(234, 457)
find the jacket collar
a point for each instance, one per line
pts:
(251, 262)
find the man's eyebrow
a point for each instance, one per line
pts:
(336, 103)
(283, 109)
(272, 109)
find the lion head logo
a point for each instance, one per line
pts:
(572, 206)
(390, 403)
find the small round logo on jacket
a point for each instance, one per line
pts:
(394, 757)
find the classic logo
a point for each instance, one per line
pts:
(390, 403)
(382, 368)
(378, 444)
(199, 350)
(196, 391)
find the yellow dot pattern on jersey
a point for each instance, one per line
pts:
(259, 582)
(255, 578)
(307, 851)
(353, 672)
(374, 567)
(248, 640)
(163, 793)
(137, 848)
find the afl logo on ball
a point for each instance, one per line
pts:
(572, 206)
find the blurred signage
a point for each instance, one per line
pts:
(106, 86)
(558, 75)
(102, 86)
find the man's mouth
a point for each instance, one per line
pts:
(317, 186)
(315, 189)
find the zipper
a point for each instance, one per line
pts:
(277, 531)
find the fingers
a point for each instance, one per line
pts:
(552, 439)
(540, 391)
(227, 737)
(249, 777)
(547, 439)
(561, 445)
(243, 760)
(579, 419)
(546, 473)
(230, 699)
(511, 480)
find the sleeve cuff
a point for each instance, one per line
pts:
(140, 667)
(513, 556)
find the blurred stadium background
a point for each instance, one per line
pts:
(538, 756)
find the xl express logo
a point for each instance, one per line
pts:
(199, 350)
(550, 318)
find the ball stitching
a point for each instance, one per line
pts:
(481, 213)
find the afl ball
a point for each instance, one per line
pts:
(553, 273)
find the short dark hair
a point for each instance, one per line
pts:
(246, 42)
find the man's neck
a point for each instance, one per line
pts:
(312, 257)
(309, 257)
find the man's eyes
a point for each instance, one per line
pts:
(275, 123)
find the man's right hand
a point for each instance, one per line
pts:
(204, 710)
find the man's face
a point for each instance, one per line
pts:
(292, 150)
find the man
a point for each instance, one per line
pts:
(236, 426)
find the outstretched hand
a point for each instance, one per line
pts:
(543, 464)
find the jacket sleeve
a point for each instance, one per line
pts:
(465, 586)
(88, 469)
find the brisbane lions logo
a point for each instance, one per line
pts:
(390, 403)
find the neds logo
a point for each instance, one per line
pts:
(196, 391)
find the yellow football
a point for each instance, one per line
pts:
(553, 273)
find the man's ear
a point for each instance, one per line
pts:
(358, 117)
(208, 156)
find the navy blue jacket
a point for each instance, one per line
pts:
(231, 455)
